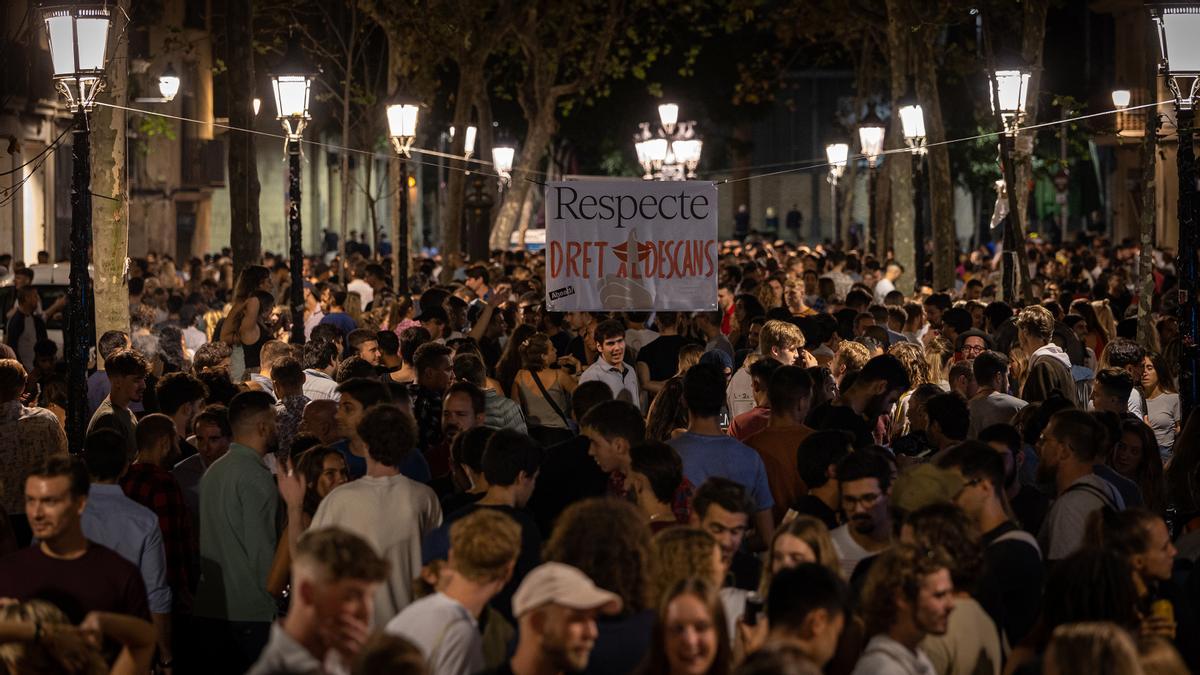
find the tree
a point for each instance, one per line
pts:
(245, 233)
(903, 216)
(110, 223)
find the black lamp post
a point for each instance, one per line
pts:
(837, 154)
(1178, 24)
(78, 37)
(1008, 92)
(402, 115)
(292, 85)
(912, 122)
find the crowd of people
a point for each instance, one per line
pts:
(825, 474)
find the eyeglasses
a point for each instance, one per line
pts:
(974, 349)
(867, 501)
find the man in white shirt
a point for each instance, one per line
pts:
(359, 285)
(991, 405)
(887, 283)
(390, 434)
(779, 340)
(611, 368)
(866, 481)
(912, 591)
(312, 310)
(320, 362)
(483, 551)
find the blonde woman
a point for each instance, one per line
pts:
(939, 355)
(1018, 368)
(1096, 647)
(913, 358)
(354, 306)
(800, 540)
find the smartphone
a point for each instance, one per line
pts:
(754, 607)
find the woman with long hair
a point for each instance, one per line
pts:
(799, 540)
(511, 361)
(36, 637)
(400, 315)
(608, 540)
(668, 414)
(541, 388)
(323, 468)
(689, 635)
(242, 326)
(939, 355)
(1097, 334)
(1137, 457)
(1163, 412)
(1095, 647)
(912, 357)
(682, 553)
(745, 307)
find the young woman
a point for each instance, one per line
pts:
(1095, 647)
(689, 636)
(541, 388)
(242, 327)
(1163, 413)
(511, 362)
(1137, 458)
(800, 540)
(323, 469)
(36, 637)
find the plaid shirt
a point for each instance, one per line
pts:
(681, 501)
(427, 409)
(156, 489)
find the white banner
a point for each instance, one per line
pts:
(631, 245)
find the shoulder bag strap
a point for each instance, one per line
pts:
(546, 395)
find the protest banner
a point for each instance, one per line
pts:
(631, 245)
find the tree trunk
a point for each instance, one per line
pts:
(537, 139)
(903, 216)
(244, 230)
(110, 217)
(941, 187)
(1146, 259)
(1033, 40)
(469, 77)
(344, 153)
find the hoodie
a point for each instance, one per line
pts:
(1049, 372)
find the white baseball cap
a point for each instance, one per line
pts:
(559, 584)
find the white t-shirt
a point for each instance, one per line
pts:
(971, 643)
(364, 290)
(849, 553)
(393, 514)
(885, 656)
(739, 396)
(445, 632)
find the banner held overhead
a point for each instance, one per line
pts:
(631, 245)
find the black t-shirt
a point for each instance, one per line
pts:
(1030, 507)
(809, 505)
(661, 356)
(828, 416)
(1010, 585)
(560, 340)
(568, 475)
(99, 580)
(455, 501)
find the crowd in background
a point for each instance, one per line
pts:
(824, 473)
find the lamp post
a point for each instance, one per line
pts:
(837, 154)
(870, 138)
(78, 37)
(1008, 90)
(402, 114)
(1177, 25)
(672, 150)
(292, 85)
(912, 123)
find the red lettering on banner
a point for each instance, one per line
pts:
(600, 270)
(573, 249)
(708, 257)
(555, 259)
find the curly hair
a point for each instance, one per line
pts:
(913, 358)
(607, 540)
(899, 570)
(945, 526)
(681, 553)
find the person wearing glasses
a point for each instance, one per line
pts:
(866, 480)
(971, 344)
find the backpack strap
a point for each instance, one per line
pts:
(1020, 535)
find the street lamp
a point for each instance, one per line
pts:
(1008, 91)
(291, 82)
(912, 123)
(78, 37)
(837, 154)
(168, 87)
(402, 113)
(1120, 98)
(870, 136)
(256, 104)
(1012, 91)
(1177, 25)
(468, 142)
(502, 161)
(672, 150)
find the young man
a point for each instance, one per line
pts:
(477, 283)
(312, 310)
(238, 499)
(657, 360)
(320, 363)
(28, 435)
(131, 530)
(444, 626)
(64, 568)
(849, 358)
(757, 418)
(962, 379)
(1010, 586)
(213, 437)
(1049, 366)
(500, 412)
(808, 609)
(126, 371)
(363, 343)
(706, 451)
(1070, 448)
(817, 459)
(722, 508)
(778, 340)
(992, 405)
(790, 392)
(336, 314)
(875, 390)
(26, 327)
(610, 368)
(462, 410)
(357, 396)
(389, 351)
(287, 379)
(866, 481)
(147, 482)
(949, 418)
(1112, 391)
(908, 595)
(434, 374)
(109, 343)
(709, 325)
(334, 579)
(654, 478)
(466, 458)
(389, 434)
(887, 283)
(181, 397)
(272, 352)
(556, 607)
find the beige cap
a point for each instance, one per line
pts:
(925, 484)
(559, 584)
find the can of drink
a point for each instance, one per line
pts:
(1163, 609)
